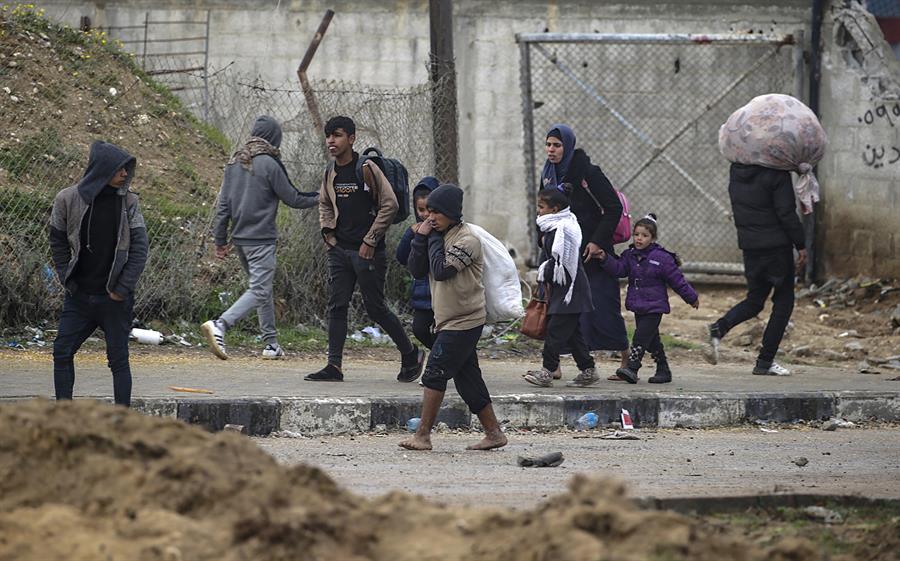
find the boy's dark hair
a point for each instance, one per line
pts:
(554, 198)
(340, 122)
(649, 222)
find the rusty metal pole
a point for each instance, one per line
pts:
(308, 93)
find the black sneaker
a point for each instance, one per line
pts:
(328, 374)
(412, 372)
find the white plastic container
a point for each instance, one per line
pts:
(147, 336)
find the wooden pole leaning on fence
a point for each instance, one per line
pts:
(308, 92)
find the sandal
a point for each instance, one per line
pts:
(541, 378)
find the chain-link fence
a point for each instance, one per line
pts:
(64, 89)
(396, 121)
(647, 109)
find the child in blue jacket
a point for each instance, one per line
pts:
(650, 270)
(420, 298)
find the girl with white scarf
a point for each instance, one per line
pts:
(562, 277)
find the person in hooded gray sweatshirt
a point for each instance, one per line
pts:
(99, 247)
(255, 181)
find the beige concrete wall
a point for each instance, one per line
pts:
(860, 174)
(386, 44)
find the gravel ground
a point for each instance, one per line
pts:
(665, 463)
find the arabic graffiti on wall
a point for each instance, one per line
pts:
(881, 112)
(879, 155)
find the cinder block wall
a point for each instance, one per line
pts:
(860, 174)
(387, 44)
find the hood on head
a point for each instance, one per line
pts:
(425, 186)
(267, 128)
(104, 161)
(427, 183)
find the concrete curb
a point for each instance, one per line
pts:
(718, 505)
(327, 416)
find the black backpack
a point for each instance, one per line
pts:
(396, 175)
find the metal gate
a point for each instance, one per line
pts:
(647, 109)
(174, 52)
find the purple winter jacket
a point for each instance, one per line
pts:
(649, 271)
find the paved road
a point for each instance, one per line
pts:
(666, 463)
(29, 373)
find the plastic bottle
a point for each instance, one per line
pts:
(50, 279)
(147, 336)
(412, 425)
(587, 421)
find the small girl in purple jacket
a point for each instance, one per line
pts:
(650, 269)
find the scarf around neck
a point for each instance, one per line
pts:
(254, 147)
(565, 250)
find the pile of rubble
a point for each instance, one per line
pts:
(850, 293)
(864, 314)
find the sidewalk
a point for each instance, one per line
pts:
(267, 396)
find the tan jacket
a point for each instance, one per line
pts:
(383, 197)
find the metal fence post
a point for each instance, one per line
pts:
(528, 148)
(206, 71)
(308, 92)
(808, 220)
(144, 49)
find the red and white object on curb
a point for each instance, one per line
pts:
(626, 420)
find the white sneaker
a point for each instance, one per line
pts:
(774, 370)
(711, 350)
(214, 332)
(273, 352)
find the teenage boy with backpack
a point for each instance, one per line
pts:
(354, 216)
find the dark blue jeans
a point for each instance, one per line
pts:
(81, 315)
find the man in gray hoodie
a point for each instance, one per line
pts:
(255, 181)
(99, 246)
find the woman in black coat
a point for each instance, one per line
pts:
(598, 210)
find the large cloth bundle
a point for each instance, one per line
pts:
(502, 291)
(777, 131)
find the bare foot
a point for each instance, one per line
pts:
(489, 442)
(417, 443)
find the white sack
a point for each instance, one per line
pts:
(502, 292)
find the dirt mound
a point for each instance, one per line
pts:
(64, 89)
(85, 481)
(60, 90)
